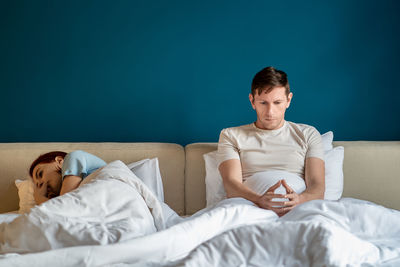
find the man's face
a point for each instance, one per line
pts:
(271, 107)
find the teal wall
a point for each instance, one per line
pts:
(180, 71)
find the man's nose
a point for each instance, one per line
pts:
(270, 111)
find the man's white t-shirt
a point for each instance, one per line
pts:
(260, 150)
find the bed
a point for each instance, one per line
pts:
(363, 227)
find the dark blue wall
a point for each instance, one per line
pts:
(180, 71)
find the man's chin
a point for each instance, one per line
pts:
(271, 125)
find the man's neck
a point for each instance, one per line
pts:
(260, 126)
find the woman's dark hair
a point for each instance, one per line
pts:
(267, 79)
(46, 158)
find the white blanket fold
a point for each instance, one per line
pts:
(112, 205)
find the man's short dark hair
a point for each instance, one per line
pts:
(267, 79)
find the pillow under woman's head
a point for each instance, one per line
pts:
(25, 193)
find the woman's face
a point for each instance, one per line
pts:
(48, 174)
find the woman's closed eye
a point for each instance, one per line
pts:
(39, 174)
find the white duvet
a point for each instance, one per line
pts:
(114, 220)
(112, 205)
(348, 232)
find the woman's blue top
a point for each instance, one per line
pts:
(81, 163)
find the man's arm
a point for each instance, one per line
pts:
(231, 172)
(315, 184)
(315, 179)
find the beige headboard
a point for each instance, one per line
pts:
(371, 169)
(371, 172)
(15, 160)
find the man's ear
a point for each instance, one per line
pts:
(289, 99)
(251, 98)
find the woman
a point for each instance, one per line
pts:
(56, 173)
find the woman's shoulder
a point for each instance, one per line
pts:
(83, 157)
(79, 155)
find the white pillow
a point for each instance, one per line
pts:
(25, 193)
(148, 171)
(334, 173)
(215, 191)
(327, 139)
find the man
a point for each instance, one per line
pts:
(272, 143)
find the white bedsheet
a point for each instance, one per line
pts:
(348, 232)
(114, 220)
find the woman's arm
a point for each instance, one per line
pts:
(78, 164)
(70, 183)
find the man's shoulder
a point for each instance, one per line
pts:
(303, 129)
(301, 126)
(237, 129)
